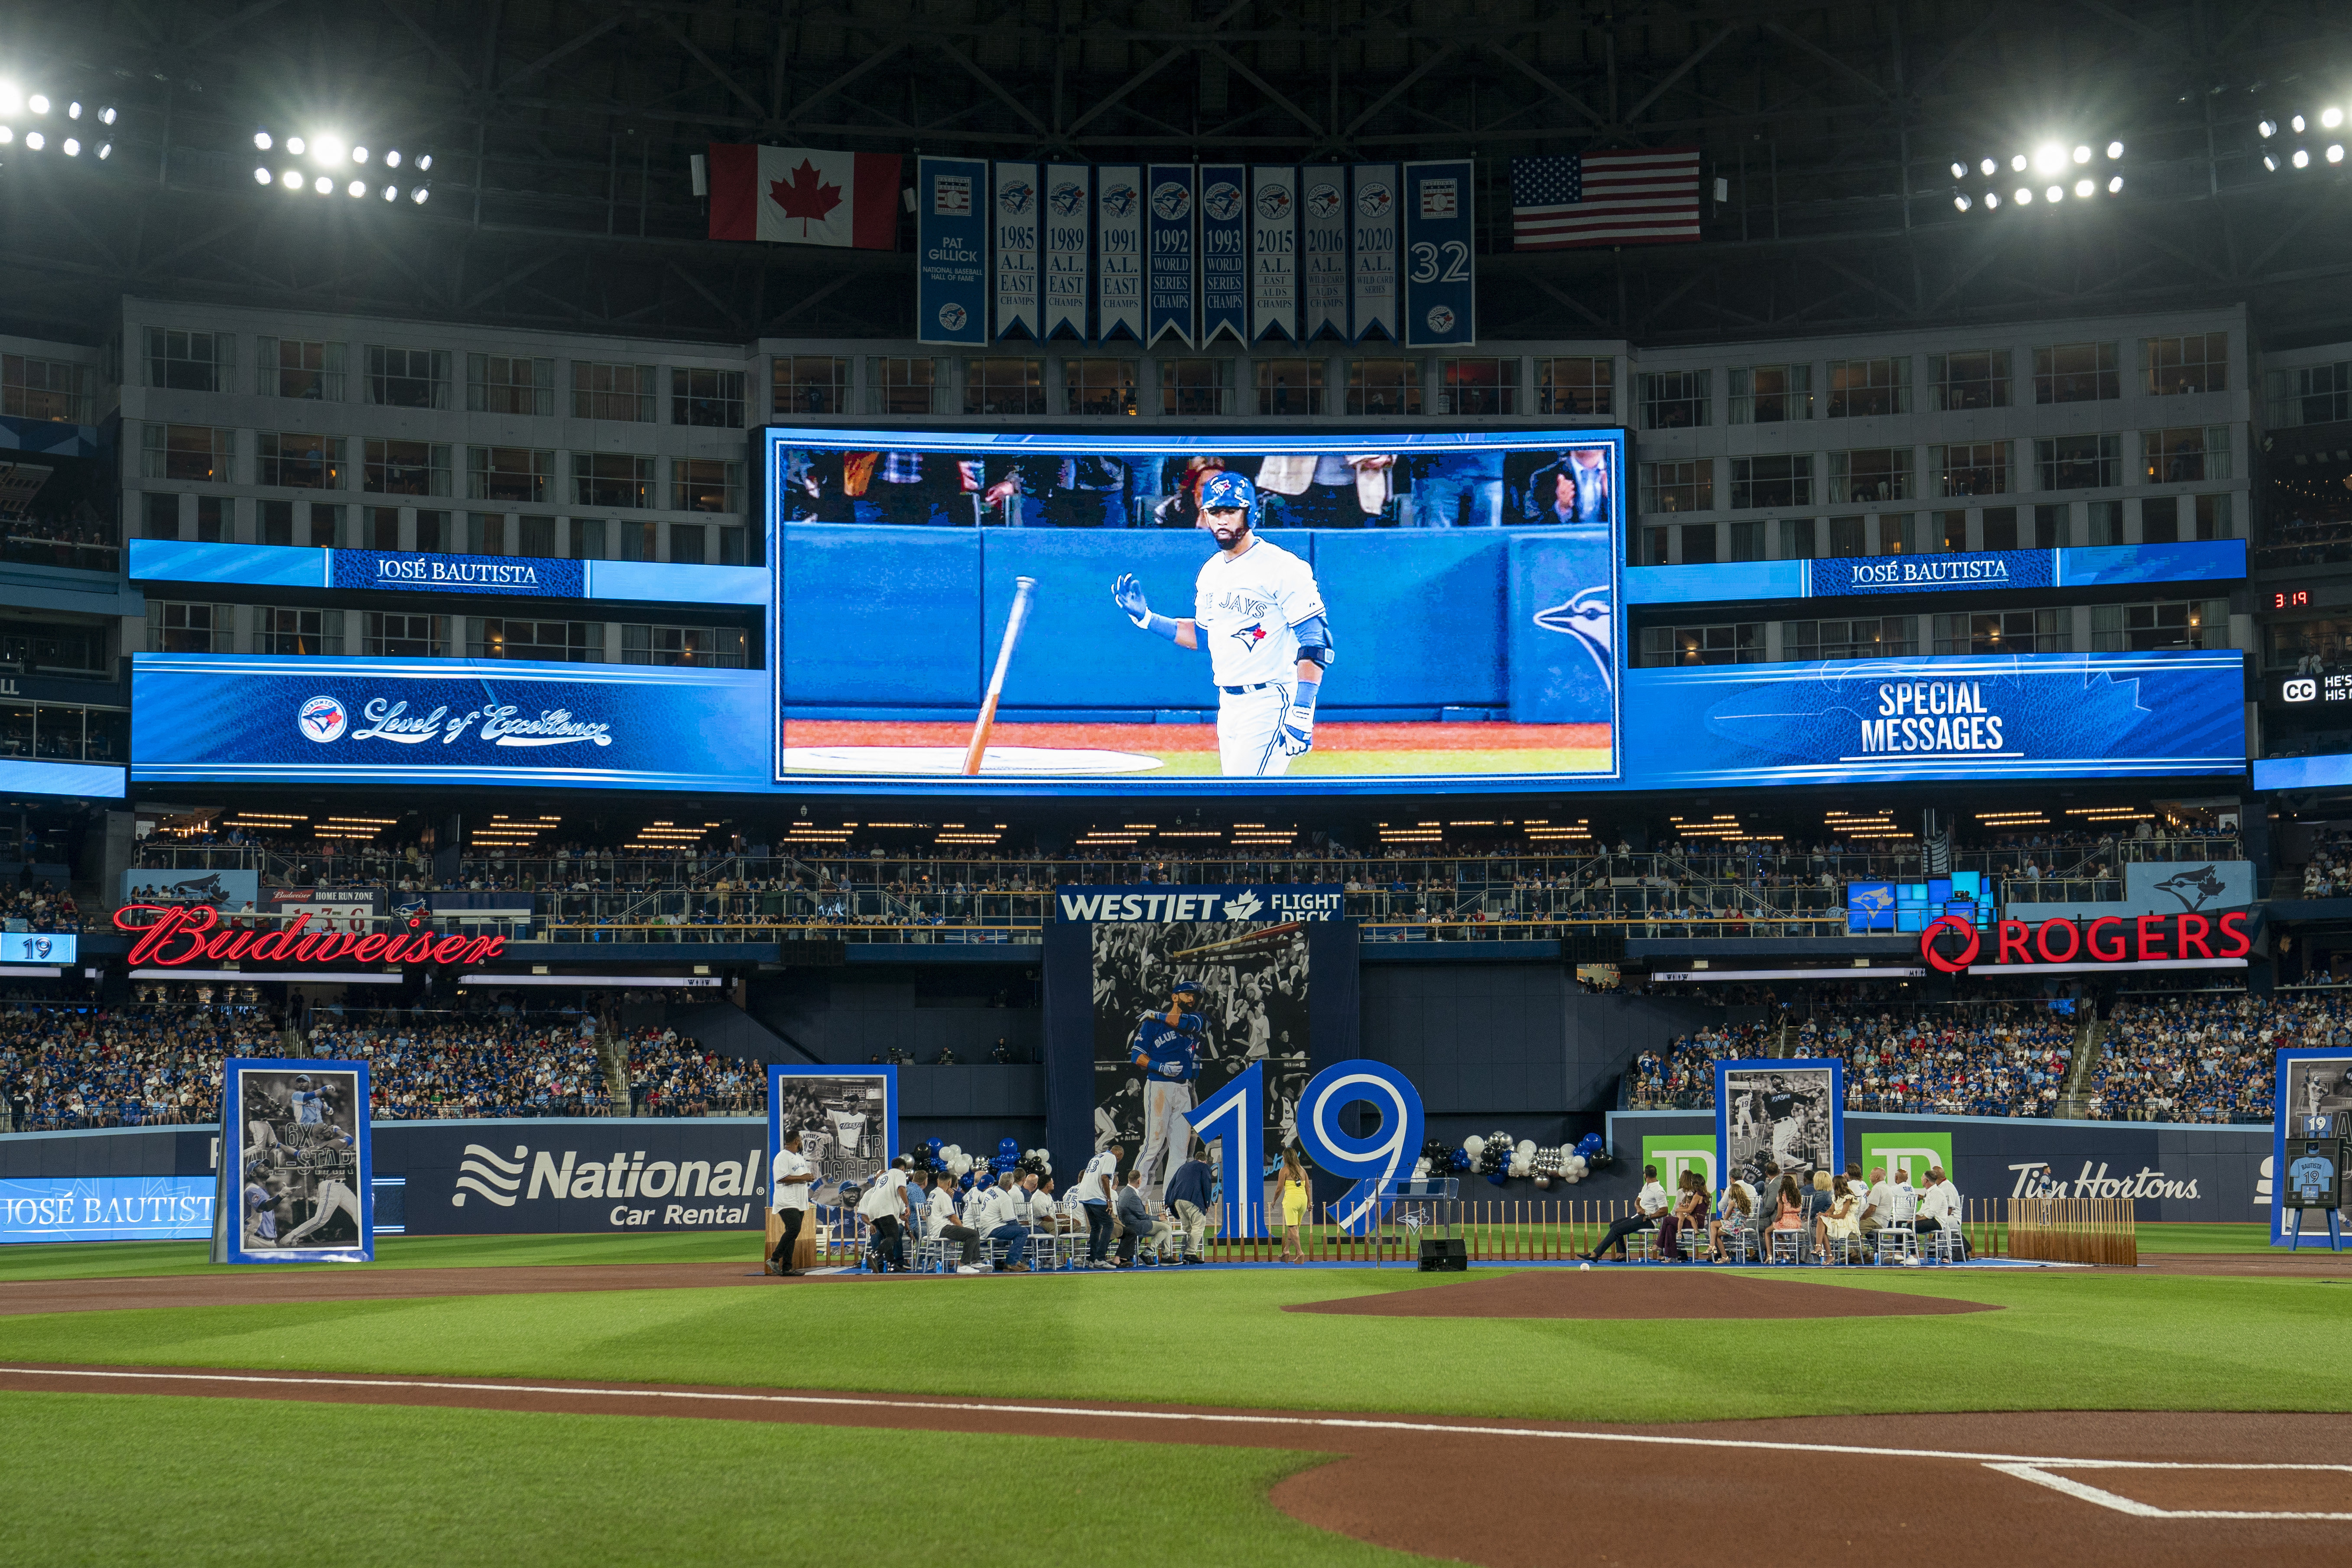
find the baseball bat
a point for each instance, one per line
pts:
(1268, 935)
(1025, 589)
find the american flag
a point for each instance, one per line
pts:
(1638, 196)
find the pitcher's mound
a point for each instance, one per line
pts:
(1659, 1292)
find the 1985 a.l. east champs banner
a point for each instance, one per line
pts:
(1014, 222)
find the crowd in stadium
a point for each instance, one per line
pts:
(2205, 1058)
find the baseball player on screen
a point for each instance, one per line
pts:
(1256, 610)
(1165, 1048)
(1781, 1109)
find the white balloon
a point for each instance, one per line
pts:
(1474, 1146)
(1525, 1146)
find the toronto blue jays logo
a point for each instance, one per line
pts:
(1117, 201)
(2194, 888)
(322, 719)
(1590, 619)
(1221, 200)
(1252, 634)
(952, 316)
(1015, 197)
(1067, 197)
(1876, 899)
(1274, 201)
(1323, 201)
(1171, 199)
(1374, 200)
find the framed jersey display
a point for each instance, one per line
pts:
(848, 1120)
(295, 1169)
(2313, 1107)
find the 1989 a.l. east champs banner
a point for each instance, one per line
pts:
(1069, 194)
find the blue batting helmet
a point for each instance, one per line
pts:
(1226, 491)
(1184, 988)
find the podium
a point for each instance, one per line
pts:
(1430, 1212)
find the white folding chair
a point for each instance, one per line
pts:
(1787, 1246)
(1895, 1243)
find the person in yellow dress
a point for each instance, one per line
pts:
(1294, 1206)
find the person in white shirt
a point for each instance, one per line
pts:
(1008, 1222)
(1095, 1196)
(1648, 1207)
(939, 1219)
(1879, 1204)
(886, 1211)
(1939, 1206)
(791, 1174)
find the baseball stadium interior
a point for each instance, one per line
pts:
(599, 694)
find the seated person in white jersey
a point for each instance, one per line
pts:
(1256, 610)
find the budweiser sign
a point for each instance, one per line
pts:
(176, 934)
(1951, 945)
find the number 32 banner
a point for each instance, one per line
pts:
(1440, 242)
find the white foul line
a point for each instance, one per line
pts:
(1995, 1461)
(2043, 1478)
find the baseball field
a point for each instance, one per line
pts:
(655, 1399)
(1342, 748)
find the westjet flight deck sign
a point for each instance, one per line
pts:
(1274, 903)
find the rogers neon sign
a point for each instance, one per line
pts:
(182, 934)
(2110, 939)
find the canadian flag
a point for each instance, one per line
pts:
(805, 196)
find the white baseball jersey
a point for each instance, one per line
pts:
(848, 1130)
(1244, 608)
(1094, 1187)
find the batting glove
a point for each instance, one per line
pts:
(1298, 724)
(1128, 595)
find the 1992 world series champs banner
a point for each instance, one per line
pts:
(1196, 253)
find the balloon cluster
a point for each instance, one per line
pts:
(968, 1171)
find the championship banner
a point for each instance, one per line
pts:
(1172, 300)
(295, 1167)
(1323, 241)
(952, 272)
(1372, 227)
(1225, 252)
(1440, 249)
(1274, 251)
(1118, 252)
(1069, 188)
(1014, 219)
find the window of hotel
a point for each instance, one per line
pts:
(1974, 380)
(34, 388)
(2000, 527)
(298, 633)
(406, 636)
(1576, 384)
(1383, 386)
(535, 536)
(1290, 386)
(1674, 399)
(2076, 373)
(408, 378)
(1797, 539)
(1771, 394)
(1786, 480)
(2106, 523)
(2213, 520)
(406, 469)
(431, 531)
(1478, 385)
(1871, 473)
(2313, 394)
(1679, 486)
(2050, 527)
(635, 541)
(1951, 531)
(706, 484)
(2197, 363)
(383, 528)
(623, 392)
(1847, 537)
(2146, 628)
(588, 539)
(1860, 388)
(1898, 533)
(1973, 468)
(1657, 549)
(1099, 385)
(507, 473)
(327, 525)
(2079, 462)
(1004, 386)
(899, 385)
(292, 367)
(707, 648)
(1738, 643)
(2006, 631)
(1885, 636)
(2190, 455)
(197, 453)
(711, 397)
(811, 383)
(2160, 519)
(612, 478)
(554, 642)
(213, 519)
(175, 627)
(689, 543)
(190, 361)
(273, 522)
(1196, 386)
(160, 515)
(509, 384)
(1747, 540)
(297, 460)
(1698, 544)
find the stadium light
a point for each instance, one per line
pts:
(2055, 194)
(295, 146)
(2331, 117)
(7, 135)
(72, 148)
(2049, 158)
(1961, 202)
(1959, 171)
(392, 193)
(328, 149)
(357, 189)
(291, 180)
(11, 101)
(2086, 187)
(105, 116)
(2024, 196)
(359, 154)
(2297, 124)
(73, 110)
(35, 140)
(2335, 151)
(1992, 201)
(2016, 163)
(1988, 168)
(324, 185)
(105, 151)
(2266, 129)
(2302, 159)
(38, 103)
(419, 194)
(262, 141)
(263, 177)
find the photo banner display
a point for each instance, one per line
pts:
(1372, 250)
(1323, 246)
(1274, 252)
(1441, 308)
(1014, 221)
(2312, 1081)
(1069, 204)
(847, 1119)
(1791, 1112)
(295, 1179)
(952, 239)
(1225, 252)
(1118, 252)
(1171, 221)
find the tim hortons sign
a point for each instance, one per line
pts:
(2190, 940)
(171, 935)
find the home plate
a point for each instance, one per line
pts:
(948, 760)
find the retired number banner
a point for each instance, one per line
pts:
(1015, 220)
(1118, 252)
(1323, 239)
(1440, 305)
(1170, 219)
(1373, 221)
(1068, 196)
(1225, 252)
(951, 278)
(1274, 251)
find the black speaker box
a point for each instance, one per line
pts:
(1445, 1256)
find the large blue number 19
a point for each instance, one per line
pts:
(1378, 1162)
(1233, 1118)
